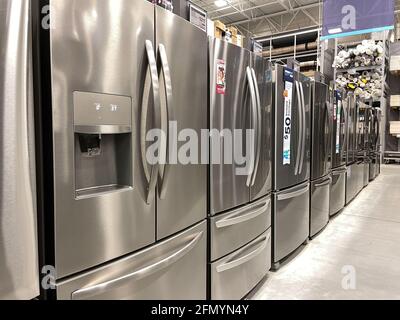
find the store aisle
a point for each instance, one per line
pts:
(364, 238)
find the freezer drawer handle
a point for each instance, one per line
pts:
(294, 194)
(259, 126)
(229, 221)
(254, 117)
(151, 80)
(237, 263)
(164, 171)
(325, 183)
(137, 275)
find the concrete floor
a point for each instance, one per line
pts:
(356, 257)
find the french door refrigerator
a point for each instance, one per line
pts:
(321, 130)
(19, 269)
(240, 200)
(119, 225)
(291, 162)
(375, 141)
(339, 152)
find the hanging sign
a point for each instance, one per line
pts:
(287, 118)
(221, 77)
(344, 18)
(198, 17)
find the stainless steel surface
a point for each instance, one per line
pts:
(355, 178)
(319, 204)
(291, 220)
(235, 275)
(102, 129)
(162, 271)
(232, 230)
(338, 190)
(98, 46)
(298, 171)
(184, 193)
(262, 183)
(339, 130)
(351, 119)
(19, 274)
(364, 236)
(321, 131)
(258, 121)
(230, 111)
(254, 126)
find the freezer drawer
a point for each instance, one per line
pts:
(366, 174)
(351, 183)
(173, 269)
(291, 220)
(234, 229)
(338, 191)
(237, 274)
(319, 205)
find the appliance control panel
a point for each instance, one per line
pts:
(95, 109)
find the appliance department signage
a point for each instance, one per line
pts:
(287, 125)
(351, 17)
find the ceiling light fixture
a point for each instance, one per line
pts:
(221, 3)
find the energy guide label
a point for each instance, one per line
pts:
(287, 125)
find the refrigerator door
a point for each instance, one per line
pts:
(319, 204)
(232, 98)
(338, 190)
(101, 47)
(182, 57)
(288, 129)
(235, 275)
(171, 270)
(321, 121)
(262, 180)
(234, 229)
(19, 274)
(291, 220)
(339, 132)
(305, 156)
(351, 129)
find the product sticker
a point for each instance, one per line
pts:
(338, 123)
(287, 125)
(221, 77)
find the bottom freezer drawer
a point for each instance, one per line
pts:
(338, 191)
(319, 205)
(234, 276)
(174, 269)
(291, 220)
(351, 183)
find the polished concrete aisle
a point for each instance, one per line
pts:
(356, 257)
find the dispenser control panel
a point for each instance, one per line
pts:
(95, 109)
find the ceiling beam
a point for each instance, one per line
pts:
(244, 10)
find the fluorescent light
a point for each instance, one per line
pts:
(220, 3)
(335, 30)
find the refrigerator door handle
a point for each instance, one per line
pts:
(233, 219)
(304, 124)
(287, 196)
(254, 117)
(144, 272)
(259, 126)
(242, 260)
(164, 171)
(151, 81)
(325, 183)
(297, 167)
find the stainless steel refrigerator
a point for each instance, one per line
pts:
(321, 131)
(240, 202)
(375, 142)
(339, 152)
(116, 225)
(19, 272)
(291, 162)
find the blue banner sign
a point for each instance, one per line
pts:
(344, 18)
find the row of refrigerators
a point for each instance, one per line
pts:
(113, 226)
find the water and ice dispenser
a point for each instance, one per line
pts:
(103, 143)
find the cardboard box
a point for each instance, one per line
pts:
(239, 40)
(219, 29)
(233, 31)
(394, 63)
(395, 101)
(395, 128)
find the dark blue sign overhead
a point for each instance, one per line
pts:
(344, 18)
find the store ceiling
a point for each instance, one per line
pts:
(260, 18)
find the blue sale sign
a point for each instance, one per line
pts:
(344, 18)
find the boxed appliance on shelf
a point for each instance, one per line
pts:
(395, 101)
(395, 128)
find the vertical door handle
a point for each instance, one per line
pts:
(300, 128)
(249, 77)
(150, 82)
(303, 138)
(259, 126)
(164, 171)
